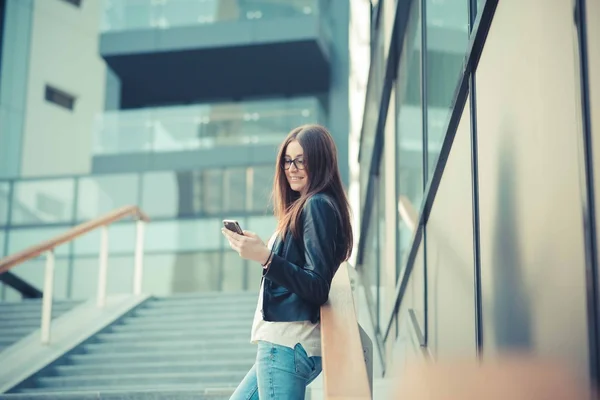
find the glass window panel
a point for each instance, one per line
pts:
(447, 40)
(121, 240)
(4, 193)
(262, 188)
(409, 134)
(371, 263)
(254, 277)
(158, 274)
(209, 183)
(10, 295)
(450, 269)
(234, 271)
(20, 239)
(2, 242)
(98, 195)
(41, 202)
(32, 272)
(385, 287)
(184, 235)
(262, 226)
(196, 272)
(235, 195)
(182, 193)
(119, 277)
(161, 193)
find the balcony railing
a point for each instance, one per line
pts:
(122, 15)
(202, 126)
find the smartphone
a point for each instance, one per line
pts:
(233, 226)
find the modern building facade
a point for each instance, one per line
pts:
(479, 176)
(177, 106)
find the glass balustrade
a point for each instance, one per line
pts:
(123, 15)
(205, 126)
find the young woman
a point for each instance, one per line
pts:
(313, 237)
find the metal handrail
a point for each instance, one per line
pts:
(47, 248)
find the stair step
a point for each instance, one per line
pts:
(171, 392)
(9, 339)
(35, 303)
(137, 346)
(17, 330)
(28, 314)
(206, 295)
(37, 306)
(33, 323)
(236, 366)
(227, 312)
(149, 380)
(159, 355)
(176, 334)
(223, 300)
(169, 319)
(135, 325)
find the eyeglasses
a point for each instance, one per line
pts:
(298, 163)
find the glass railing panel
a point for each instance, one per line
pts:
(204, 126)
(43, 201)
(98, 195)
(127, 131)
(123, 15)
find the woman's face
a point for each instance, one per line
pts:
(294, 166)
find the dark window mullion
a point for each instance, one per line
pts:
(425, 160)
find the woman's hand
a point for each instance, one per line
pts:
(248, 246)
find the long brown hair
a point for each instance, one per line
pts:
(321, 167)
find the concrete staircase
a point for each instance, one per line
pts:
(179, 347)
(19, 319)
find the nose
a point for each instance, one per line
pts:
(293, 166)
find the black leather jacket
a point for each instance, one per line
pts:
(298, 279)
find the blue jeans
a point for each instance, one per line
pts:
(279, 373)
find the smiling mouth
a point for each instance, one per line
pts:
(295, 178)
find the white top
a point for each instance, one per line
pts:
(285, 333)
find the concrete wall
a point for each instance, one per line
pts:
(16, 37)
(64, 54)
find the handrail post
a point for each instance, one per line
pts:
(47, 299)
(103, 266)
(139, 258)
